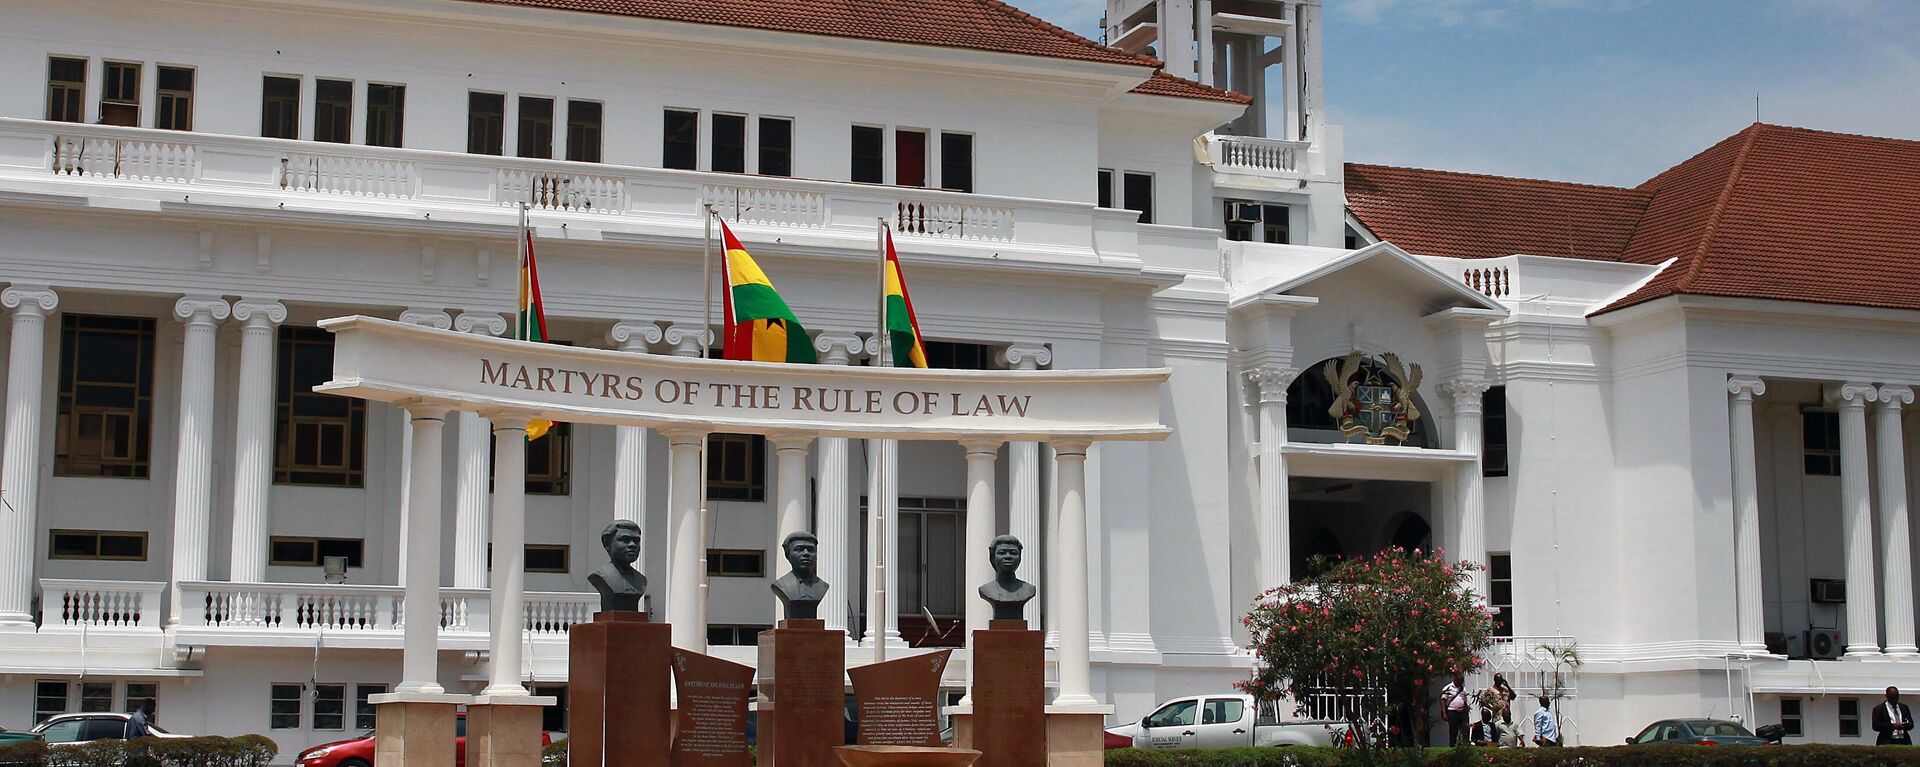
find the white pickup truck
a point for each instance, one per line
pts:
(1226, 721)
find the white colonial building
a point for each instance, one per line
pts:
(1672, 420)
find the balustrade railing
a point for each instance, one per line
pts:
(347, 175)
(551, 614)
(1258, 155)
(133, 159)
(1496, 282)
(767, 206)
(952, 220)
(552, 190)
(100, 604)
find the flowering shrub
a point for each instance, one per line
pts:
(211, 751)
(1390, 623)
(1623, 756)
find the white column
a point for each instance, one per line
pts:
(472, 437)
(981, 509)
(1276, 549)
(420, 638)
(630, 442)
(1469, 499)
(1049, 537)
(432, 318)
(790, 497)
(883, 503)
(1856, 519)
(20, 461)
(1076, 668)
(684, 538)
(253, 438)
(1890, 486)
(1748, 593)
(831, 499)
(509, 577)
(193, 454)
(1023, 482)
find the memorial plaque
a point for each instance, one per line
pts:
(802, 695)
(1009, 695)
(712, 726)
(899, 700)
(617, 691)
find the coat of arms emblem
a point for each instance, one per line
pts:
(1373, 400)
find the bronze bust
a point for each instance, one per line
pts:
(1006, 592)
(800, 591)
(620, 585)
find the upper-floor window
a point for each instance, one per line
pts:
(536, 127)
(1493, 432)
(297, 551)
(386, 114)
(956, 162)
(1104, 196)
(909, 157)
(319, 439)
(869, 154)
(175, 110)
(545, 558)
(1820, 442)
(104, 426)
(1136, 194)
(120, 94)
(550, 462)
(729, 154)
(123, 545)
(280, 107)
(951, 355)
(1256, 222)
(736, 467)
(1500, 596)
(583, 131)
(486, 122)
(333, 111)
(680, 140)
(66, 89)
(776, 146)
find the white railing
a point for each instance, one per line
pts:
(347, 175)
(573, 192)
(100, 604)
(767, 206)
(1532, 665)
(1257, 155)
(136, 159)
(550, 614)
(952, 220)
(323, 607)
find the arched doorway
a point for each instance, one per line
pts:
(1318, 542)
(1359, 398)
(1409, 531)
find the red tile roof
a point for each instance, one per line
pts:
(1163, 84)
(1771, 212)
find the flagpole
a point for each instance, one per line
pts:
(877, 623)
(520, 246)
(706, 351)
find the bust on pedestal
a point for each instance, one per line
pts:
(1007, 722)
(800, 591)
(620, 585)
(1006, 592)
(618, 666)
(802, 686)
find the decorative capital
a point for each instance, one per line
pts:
(433, 318)
(1025, 357)
(37, 300)
(1852, 393)
(1272, 381)
(1746, 388)
(982, 448)
(508, 419)
(789, 441)
(634, 336)
(1465, 389)
(685, 338)
(838, 348)
(260, 312)
(480, 323)
(1891, 396)
(872, 346)
(201, 309)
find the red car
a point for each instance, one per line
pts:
(359, 751)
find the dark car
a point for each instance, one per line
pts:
(358, 752)
(15, 736)
(1697, 732)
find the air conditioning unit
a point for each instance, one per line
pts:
(1243, 213)
(1828, 590)
(1823, 644)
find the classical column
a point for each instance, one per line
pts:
(193, 455)
(1469, 499)
(630, 442)
(1075, 659)
(684, 538)
(981, 455)
(1856, 518)
(509, 577)
(1276, 549)
(1023, 480)
(790, 497)
(883, 504)
(420, 638)
(472, 437)
(1748, 594)
(432, 318)
(20, 461)
(253, 438)
(1890, 489)
(832, 500)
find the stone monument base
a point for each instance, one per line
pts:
(617, 691)
(414, 729)
(1076, 735)
(1006, 721)
(802, 714)
(504, 730)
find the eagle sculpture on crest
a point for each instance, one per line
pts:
(1373, 401)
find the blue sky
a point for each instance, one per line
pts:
(1598, 91)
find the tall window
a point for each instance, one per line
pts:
(550, 462)
(729, 143)
(1790, 717)
(386, 114)
(776, 146)
(280, 107)
(680, 140)
(120, 94)
(956, 162)
(1137, 194)
(66, 89)
(333, 111)
(930, 557)
(363, 706)
(1820, 441)
(319, 439)
(96, 696)
(139, 694)
(486, 122)
(736, 467)
(1500, 598)
(283, 708)
(1104, 196)
(175, 111)
(536, 127)
(1256, 222)
(1493, 432)
(909, 157)
(869, 154)
(329, 707)
(583, 131)
(105, 420)
(1849, 717)
(49, 699)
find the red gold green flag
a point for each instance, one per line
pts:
(903, 326)
(759, 326)
(530, 322)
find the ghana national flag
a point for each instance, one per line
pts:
(530, 322)
(758, 325)
(903, 326)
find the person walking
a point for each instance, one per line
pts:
(140, 725)
(1546, 731)
(1893, 721)
(1454, 698)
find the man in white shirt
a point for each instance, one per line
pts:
(1454, 697)
(1546, 731)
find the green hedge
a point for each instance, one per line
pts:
(1621, 756)
(243, 751)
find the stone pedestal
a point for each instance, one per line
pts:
(1007, 721)
(802, 698)
(504, 730)
(617, 691)
(414, 729)
(1076, 736)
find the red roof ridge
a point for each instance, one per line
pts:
(1163, 84)
(1492, 176)
(1712, 224)
(1836, 134)
(1069, 35)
